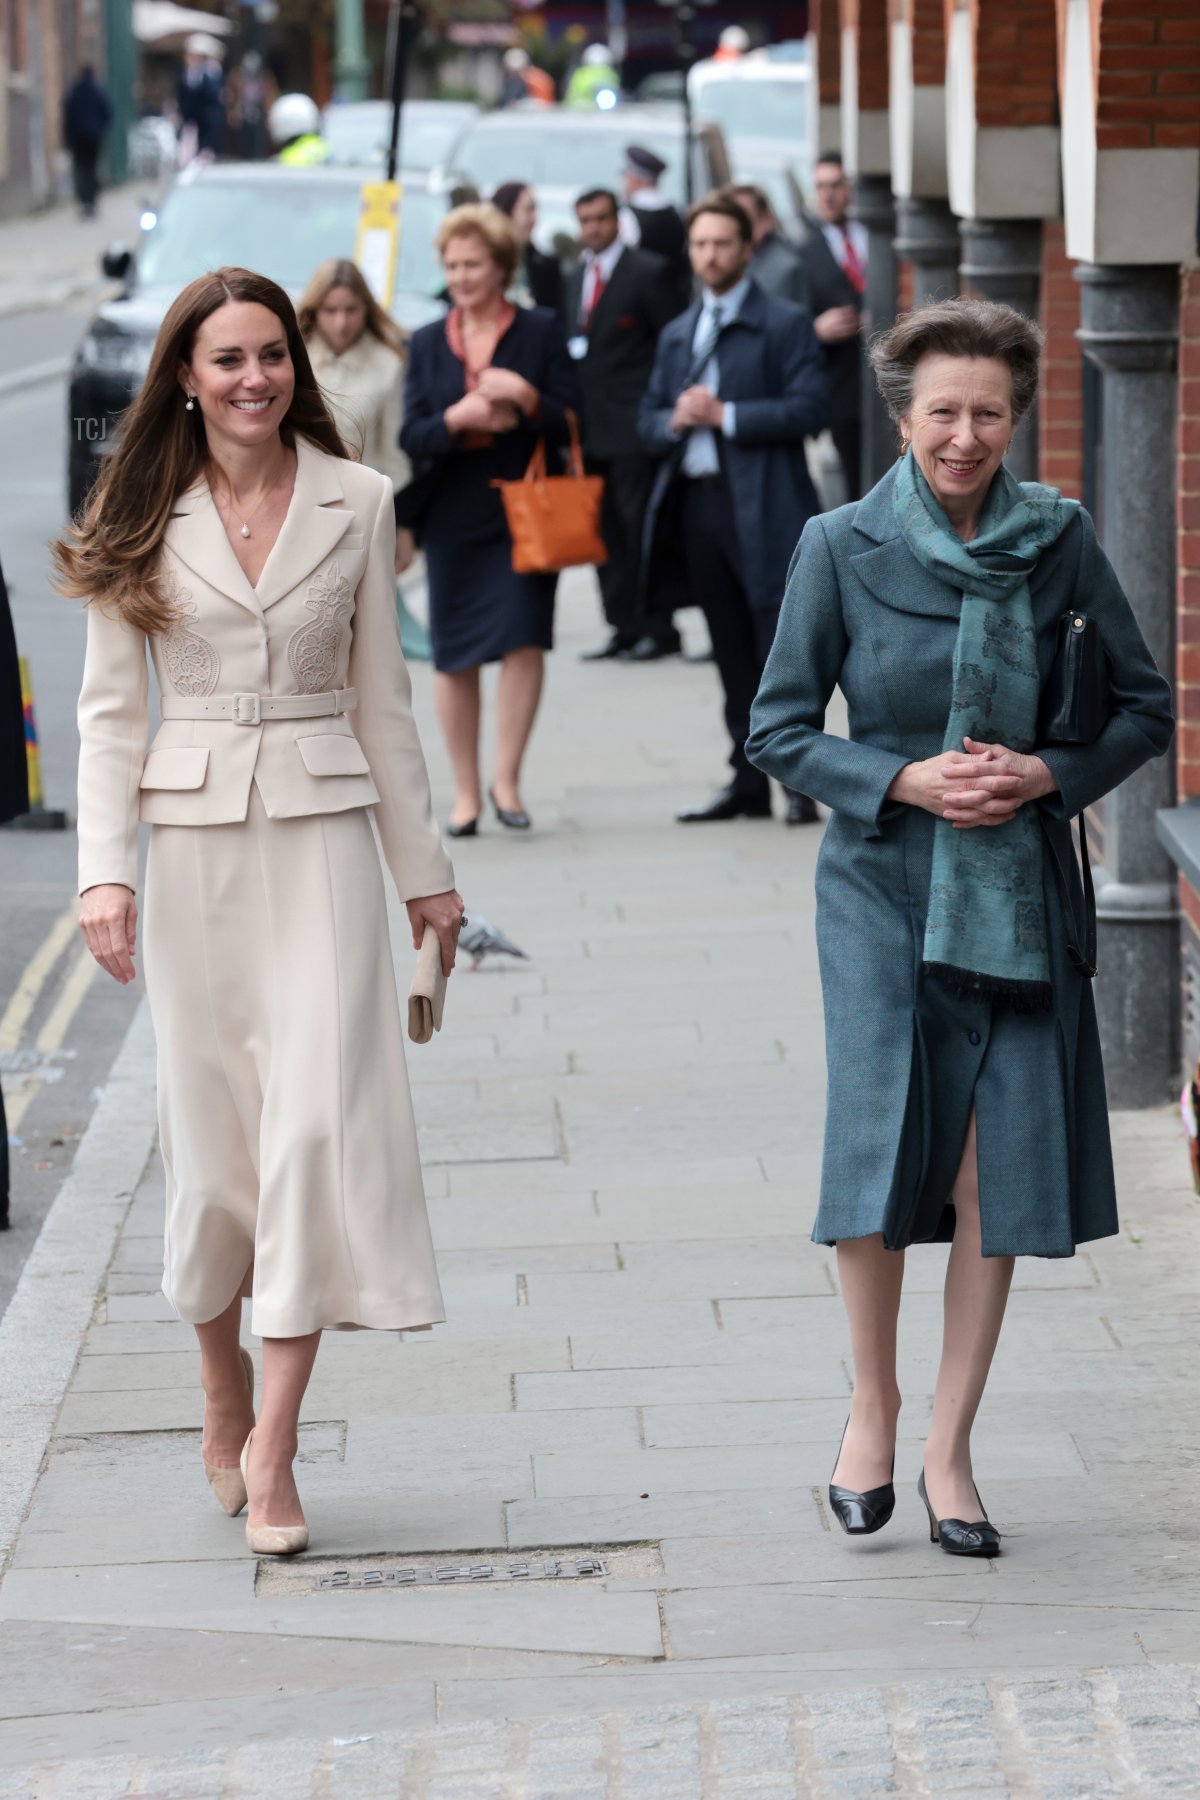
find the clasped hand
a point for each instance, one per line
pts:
(476, 412)
(984, 784)
(697, 406)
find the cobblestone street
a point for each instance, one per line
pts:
(646, 1360)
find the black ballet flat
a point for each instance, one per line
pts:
(515, 820)
(860, 1514)
(470, 828)
(956, 1536)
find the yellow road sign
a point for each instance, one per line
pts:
(378, 237)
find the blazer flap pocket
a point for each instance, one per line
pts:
(331, 753)
(185, 767)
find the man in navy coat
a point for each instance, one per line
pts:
(738, 383)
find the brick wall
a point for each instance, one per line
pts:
(1187, 657)
(1016, 59)
(868, 19)
(1148, 75)
(1060, 404)
(904, 286)
(825, 25)
(928, 42)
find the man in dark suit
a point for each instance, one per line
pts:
(775, 265)
(618, 301)
(737, 386)
(648, 219)
(834, 261)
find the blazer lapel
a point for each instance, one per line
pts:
(313, 525)
(197, 537)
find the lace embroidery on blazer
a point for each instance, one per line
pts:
(313, 650)
(192, 664)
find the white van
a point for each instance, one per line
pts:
(763, 104)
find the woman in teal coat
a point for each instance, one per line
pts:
(966, 1091)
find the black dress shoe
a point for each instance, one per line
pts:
(728, 804)
(861, 1514)
(515, 820)
(652, 649)
(470, 828)
(801, 810)
(617, 645)
(956, 1536)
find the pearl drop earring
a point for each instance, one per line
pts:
(191, 403)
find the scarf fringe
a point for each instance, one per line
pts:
(969, 984)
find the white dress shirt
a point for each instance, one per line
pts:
(597, 266)
(836, 235)
(700, 455)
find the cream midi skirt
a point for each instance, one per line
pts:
(285, 1117)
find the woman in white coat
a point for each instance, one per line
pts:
(231, 536)
(358, 355)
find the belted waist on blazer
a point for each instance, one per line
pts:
(321, 620)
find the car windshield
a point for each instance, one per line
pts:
(282, 230)
(568, 156)
(360, 133)
(774, 109)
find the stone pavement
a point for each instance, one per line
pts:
(645, 1362)
(50, 257)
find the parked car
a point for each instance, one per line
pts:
(358, 132)
(559, 153)
(757, 98)
(277, 220)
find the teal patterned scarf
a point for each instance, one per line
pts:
(985, 934)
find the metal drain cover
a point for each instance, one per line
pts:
(482, 1568)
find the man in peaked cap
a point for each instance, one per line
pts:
(648, 219)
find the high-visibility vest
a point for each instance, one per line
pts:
(304, 152)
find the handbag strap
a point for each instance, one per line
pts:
(1082, 961)
(537, 462)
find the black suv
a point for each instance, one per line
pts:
(276, 220)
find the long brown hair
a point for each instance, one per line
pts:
(339, 272)
(110, 555)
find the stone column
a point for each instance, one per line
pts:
(1002, 260)
(1130, 331)
(927, 237)
(875, 207)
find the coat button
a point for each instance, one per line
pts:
(974, 1037)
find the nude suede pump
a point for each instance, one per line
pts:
(272, 1540)
(228, 1484)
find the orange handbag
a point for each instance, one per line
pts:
(554, 520)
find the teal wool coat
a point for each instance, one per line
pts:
(906, 1058)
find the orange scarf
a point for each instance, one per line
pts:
(456, 337)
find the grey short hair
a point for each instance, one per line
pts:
(958, 327)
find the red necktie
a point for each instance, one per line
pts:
(598, 286)
(851, 265)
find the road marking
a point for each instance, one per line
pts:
(59, 1019)
(29, 987)
(74, 988)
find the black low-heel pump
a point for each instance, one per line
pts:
(956, 1536)
(860, 1514)
(515, 818)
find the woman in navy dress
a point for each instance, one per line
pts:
(483, 385)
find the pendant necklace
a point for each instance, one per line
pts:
(245, 523)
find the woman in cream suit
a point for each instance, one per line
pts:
(231, 535)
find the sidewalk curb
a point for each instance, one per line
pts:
(44, 1326)
(55, 368)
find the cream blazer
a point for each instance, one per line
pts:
(322, 617)
(364, 388)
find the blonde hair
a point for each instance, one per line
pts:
(340, 272)
(482, 220)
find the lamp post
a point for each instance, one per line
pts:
(685, 18)
(406, 15)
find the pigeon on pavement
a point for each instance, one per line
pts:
(480, 939)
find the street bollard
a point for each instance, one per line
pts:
(40, 817)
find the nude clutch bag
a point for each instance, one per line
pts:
(427, 995)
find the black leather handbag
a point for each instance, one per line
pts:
(1074, 710)
(1075, 703)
